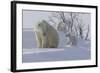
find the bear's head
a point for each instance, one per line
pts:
(43, 27)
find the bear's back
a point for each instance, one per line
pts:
(53, 36)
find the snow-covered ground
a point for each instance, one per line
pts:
(33, 54)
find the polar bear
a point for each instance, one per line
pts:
(47, 35)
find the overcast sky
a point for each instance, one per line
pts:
(30, 18)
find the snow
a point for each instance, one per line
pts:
(31, 53)
(71, 53)
(40, 50)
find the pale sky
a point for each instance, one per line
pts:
(30, 18)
